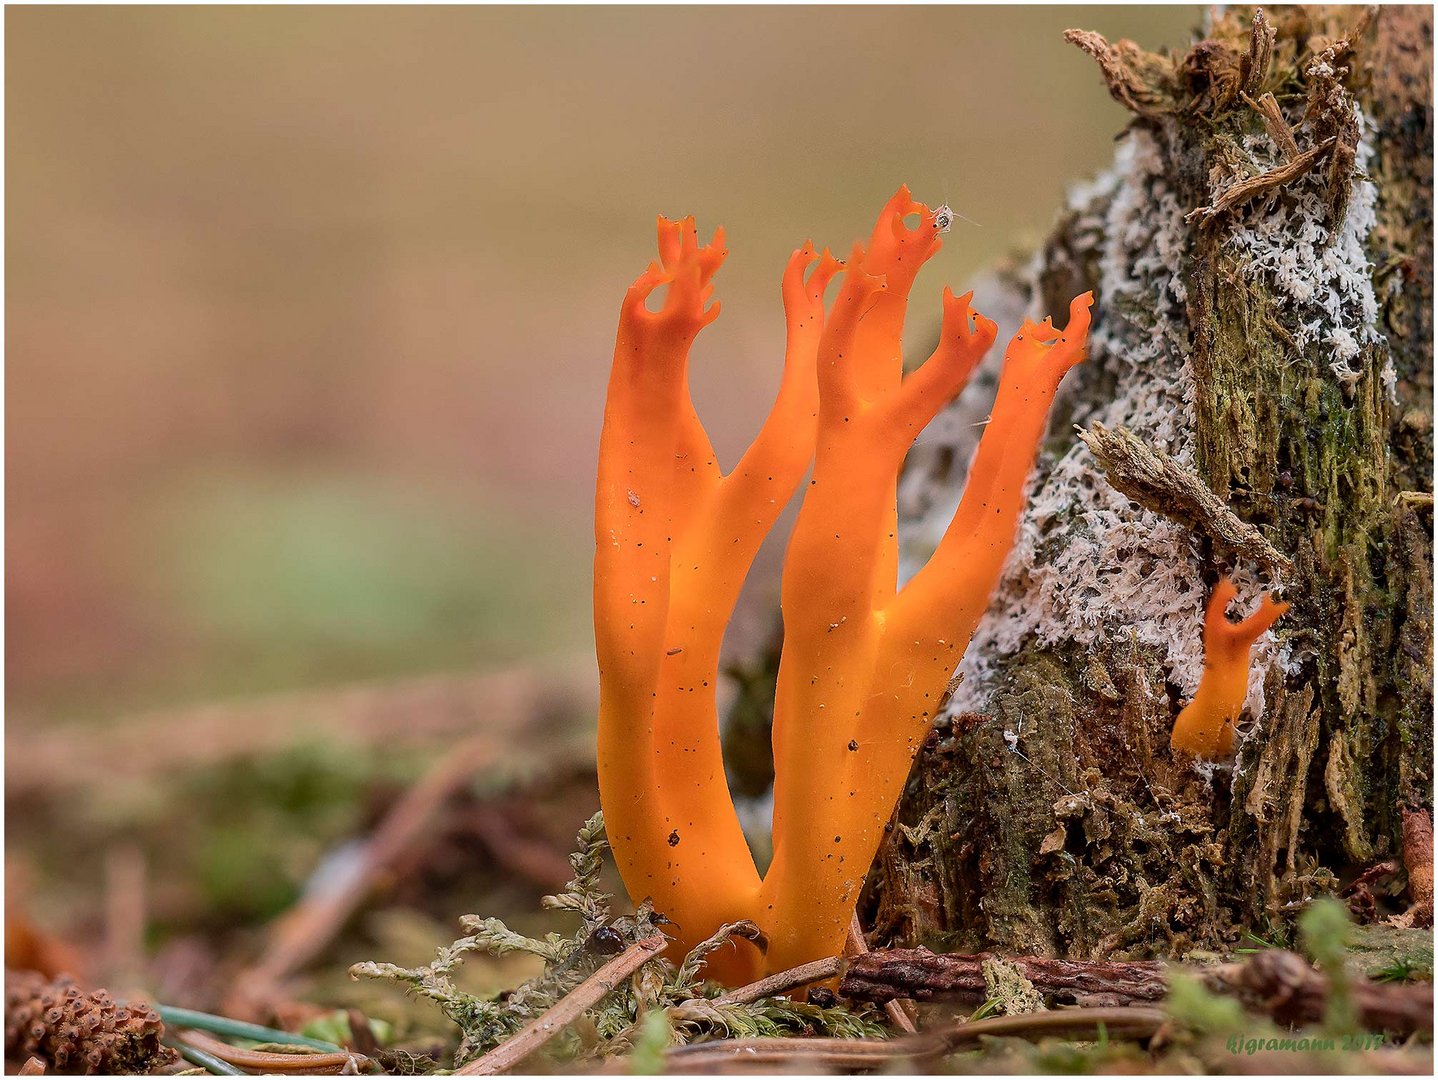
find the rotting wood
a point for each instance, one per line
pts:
(1260, 54)
(918, 973)
(1273, 119)
(1121, 64)
(896, 1009)
(1279, 983)
(1048, 817)
(1245, 191)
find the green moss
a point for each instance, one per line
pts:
(622, 1020)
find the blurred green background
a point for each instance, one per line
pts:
(310, 309)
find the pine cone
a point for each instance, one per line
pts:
(75, 1032)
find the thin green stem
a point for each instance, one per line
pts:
(208, 1062)
(223, 1025)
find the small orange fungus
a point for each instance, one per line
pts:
(865, 663)
(1205, 726)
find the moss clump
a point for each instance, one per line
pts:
(623, 1021)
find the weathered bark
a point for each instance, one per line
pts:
(1263, 266)
(925, 976)
(1273, 981)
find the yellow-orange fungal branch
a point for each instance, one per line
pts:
(674, 540)
(1205, 726)
(863, 671)
(864, 665)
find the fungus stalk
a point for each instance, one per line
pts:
(1205, 726)
(864, 664)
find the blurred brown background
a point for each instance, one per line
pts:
(310, 310)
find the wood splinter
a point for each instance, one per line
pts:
(1245, 191)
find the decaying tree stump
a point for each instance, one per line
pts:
(1257, 403)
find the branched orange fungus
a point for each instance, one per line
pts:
(1205, 726)
(864, 664)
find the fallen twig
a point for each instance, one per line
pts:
(780, 982)
(1281, 984)
(509, 846)
(271, 1062)
(764, 1054)
(918, 973)
(850, 1054)
(1120, 1022)
(1417, 852)
(568, 1009)
(895, 1009)
(1287, 988)
(361, 1034)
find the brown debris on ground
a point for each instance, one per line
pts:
(74, 1031)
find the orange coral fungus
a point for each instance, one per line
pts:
(864, 663)
(1205, 726)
